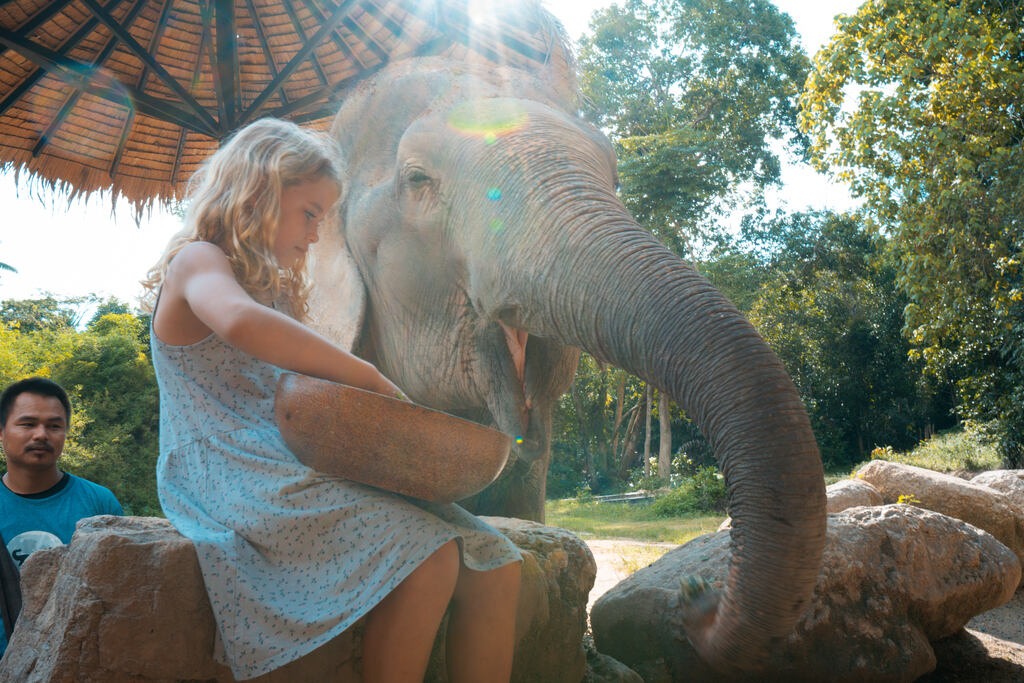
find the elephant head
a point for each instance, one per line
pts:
(480, 244)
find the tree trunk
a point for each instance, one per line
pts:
(620, 397)
(665, 444)
(629, 441)
(647, 433)
(600, 457)
(577, 403)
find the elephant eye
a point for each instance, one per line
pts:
(418, 177)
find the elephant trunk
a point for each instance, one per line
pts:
(629, 301)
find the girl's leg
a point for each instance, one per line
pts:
(481, 625)
(400, 630)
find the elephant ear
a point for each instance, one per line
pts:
(337, 301)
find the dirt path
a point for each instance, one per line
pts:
(618, 559)
(989, 650)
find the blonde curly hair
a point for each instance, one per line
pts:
(234, 202)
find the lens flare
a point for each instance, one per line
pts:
(488, 119)
(494, 194)
(519, 439)
(497, 225)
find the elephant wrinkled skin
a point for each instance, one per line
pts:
(480, 244)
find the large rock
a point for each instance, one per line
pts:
(975, 504)
(125, 601)
(851, 493)
(1008, 482)
(893, 578)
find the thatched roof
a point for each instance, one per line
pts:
(131, 95)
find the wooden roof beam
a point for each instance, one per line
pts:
(226, 66)
(301, 32)
(129, 121)
(34, 77)
(154, 42)
(354, 28)
(100, 60)
(266, 47)
(197, 65)
(330, 106)
(41, 17)
(140, 52)
(103, 85)
(206, 19)
(380, 15)
(335, 38)
(296, 60)
(122, 142)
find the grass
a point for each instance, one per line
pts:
(964, 449)
(622, 520)
(633, 558)
(953, 451)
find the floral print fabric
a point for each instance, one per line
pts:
(290, 557)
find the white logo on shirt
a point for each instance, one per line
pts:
(23, 545)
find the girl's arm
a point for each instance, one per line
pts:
(201, 276)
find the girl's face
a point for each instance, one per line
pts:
(302, 208)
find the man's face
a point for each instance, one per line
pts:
(33, 436)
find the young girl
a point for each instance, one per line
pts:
(292, 557)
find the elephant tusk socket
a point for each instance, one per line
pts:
(516, 342)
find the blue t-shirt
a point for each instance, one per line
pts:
(47, 519)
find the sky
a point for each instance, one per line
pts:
(76, 248)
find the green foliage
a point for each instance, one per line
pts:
(829, 308)
(584, 444)
(692, 92)
(106, 371)
(32, 315)
(589, 448)
(704, 492)
(933, 145)
(969, 448)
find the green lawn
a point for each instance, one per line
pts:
(622, 520)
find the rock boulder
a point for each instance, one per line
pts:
(893, 578)
(1009, 482)
(850, 493)
(982, 506)
(125, 601)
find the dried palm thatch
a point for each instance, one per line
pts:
(132, 95)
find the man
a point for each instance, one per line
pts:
(40, 504)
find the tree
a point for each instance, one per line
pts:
(30, 315)
(692, 92)
(934, 146)
(105, 369)
(830, 309)
(113, 383)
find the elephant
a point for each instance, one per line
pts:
(479, 245)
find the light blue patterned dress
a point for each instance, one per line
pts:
(290, 557)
